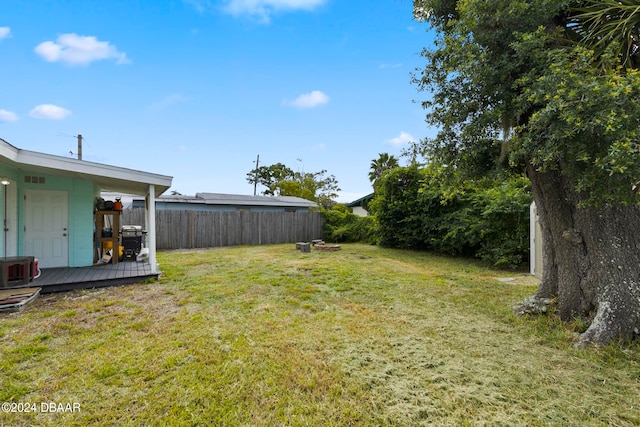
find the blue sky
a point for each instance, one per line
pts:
(196, 89)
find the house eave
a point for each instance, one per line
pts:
(107, 177)
(360, 201)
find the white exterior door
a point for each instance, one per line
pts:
(47, 227)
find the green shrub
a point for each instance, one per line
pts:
(342, 226)
(398, 209)
(487, 219)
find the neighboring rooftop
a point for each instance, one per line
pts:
(360, 201)
(219, 199)
(237, 199)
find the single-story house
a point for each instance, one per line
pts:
(230, 202)
(360, 207)
(49, 205)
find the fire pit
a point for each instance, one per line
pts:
(319, 244)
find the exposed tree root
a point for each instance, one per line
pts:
(533, 305)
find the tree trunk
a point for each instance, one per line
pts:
(591, 259)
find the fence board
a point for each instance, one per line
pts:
(183, 229)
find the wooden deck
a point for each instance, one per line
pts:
(99, 276)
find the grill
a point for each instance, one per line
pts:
(131, 241)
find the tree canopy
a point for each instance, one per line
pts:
(549, 88)
(280, 180)
(510, 84)
(378, 166)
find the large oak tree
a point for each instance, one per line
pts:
(543, 86)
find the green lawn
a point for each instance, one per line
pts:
(271, 336)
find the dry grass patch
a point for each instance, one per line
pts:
(262, 336)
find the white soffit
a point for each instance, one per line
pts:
(107, 177)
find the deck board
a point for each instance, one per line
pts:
(64, 279)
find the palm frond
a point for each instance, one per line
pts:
(599, 23)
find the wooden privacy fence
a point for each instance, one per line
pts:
(182, 229)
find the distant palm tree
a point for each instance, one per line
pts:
(598, 23)
(384, 162)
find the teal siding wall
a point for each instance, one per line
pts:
(81, 204)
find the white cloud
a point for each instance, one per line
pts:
(49, 111)
(200, 6)
(5, 32)
(310, 100)
(263, 9)
(403, 138)
(8, 116)
(79, 50)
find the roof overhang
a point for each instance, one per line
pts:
(360, 201)
(107, 177)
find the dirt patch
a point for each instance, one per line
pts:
(90, 307)
(520, 279)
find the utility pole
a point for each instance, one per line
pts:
(79, 147)
(255, 177)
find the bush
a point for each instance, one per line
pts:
(341, 226)
(397, 208)
(486, 219)
(504, 216)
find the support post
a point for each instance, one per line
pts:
(151, 227)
